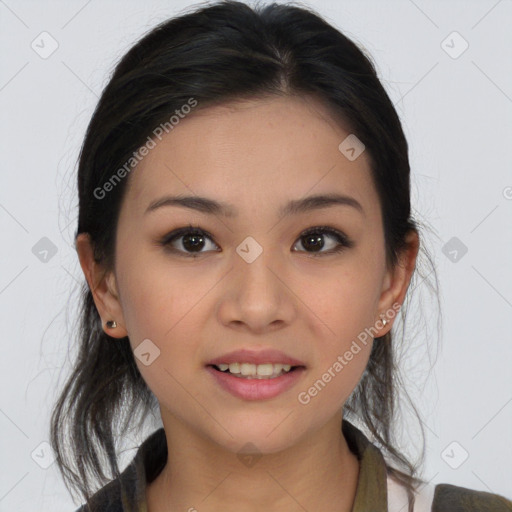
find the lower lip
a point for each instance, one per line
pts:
(256, 389)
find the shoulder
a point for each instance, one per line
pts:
(107, 499)
(451, 498)
(445, 498)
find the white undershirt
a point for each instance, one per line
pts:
(397, 497)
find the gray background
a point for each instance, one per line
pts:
(456, 110)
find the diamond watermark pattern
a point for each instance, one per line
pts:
(146, 352)
(43, 455)
(249, 249)
(454, 455)
(249, 455)
(454, 249)
(351, 147)
(44, 45)
(44, 250)
(454, 45)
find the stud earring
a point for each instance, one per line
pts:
(384, 321)
(111, 324)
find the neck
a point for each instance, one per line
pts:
(317, 473)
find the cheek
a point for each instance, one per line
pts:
(162, 327)
(155, 295)
(344, 312)
(341, 356)
(332, 382)
(345, 302)
(164, 303)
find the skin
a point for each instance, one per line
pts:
(255, 155)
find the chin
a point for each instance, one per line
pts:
(267, 436)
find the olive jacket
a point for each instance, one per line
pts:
(376, 491)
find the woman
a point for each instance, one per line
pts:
(245, 232)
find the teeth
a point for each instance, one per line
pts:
(247, 370)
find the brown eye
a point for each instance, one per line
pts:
(312, 240)
(188, 241)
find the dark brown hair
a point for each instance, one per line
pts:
(218, 53)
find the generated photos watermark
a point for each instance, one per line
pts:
(137, 156)
(304, 397)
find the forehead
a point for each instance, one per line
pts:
(254, 151)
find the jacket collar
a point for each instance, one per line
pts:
(151, 457)
(371, 491)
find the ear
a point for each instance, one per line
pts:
(396, 282)
(103, 287)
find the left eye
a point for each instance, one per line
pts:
(193, 239)
(313, 238)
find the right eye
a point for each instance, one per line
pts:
(186, 239)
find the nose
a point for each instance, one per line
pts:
(257, 297)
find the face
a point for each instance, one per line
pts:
(253, 278)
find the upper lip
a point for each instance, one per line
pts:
(256, 357)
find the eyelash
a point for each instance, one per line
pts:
(343, 241)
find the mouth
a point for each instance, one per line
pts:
(266, 371)
(246, 381)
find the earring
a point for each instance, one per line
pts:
(384, 321)
(111, 324)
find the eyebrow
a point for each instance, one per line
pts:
(293, 207)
